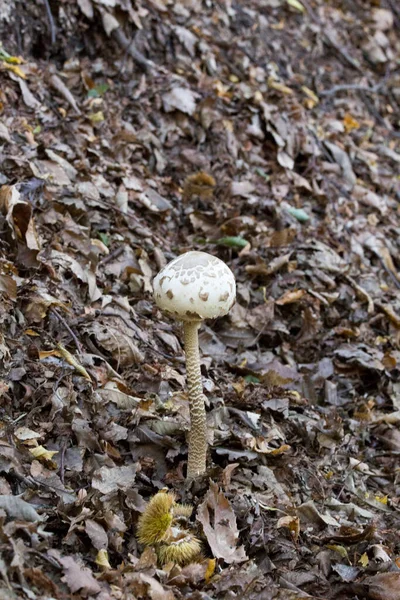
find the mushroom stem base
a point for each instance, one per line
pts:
(197, 437)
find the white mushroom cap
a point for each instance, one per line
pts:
(195, 286)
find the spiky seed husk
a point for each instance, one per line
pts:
(183, 510)
(154, 523)
(181, 552)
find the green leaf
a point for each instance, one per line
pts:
(251, 379)
(296, 4)
(104, 238)
(232, 241)
(98, 91)
(262, 174)
(298, 213)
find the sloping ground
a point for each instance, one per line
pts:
(291, 112)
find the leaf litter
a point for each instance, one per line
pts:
(266, 134)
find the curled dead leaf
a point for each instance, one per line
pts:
(19, 216)
(218, 519)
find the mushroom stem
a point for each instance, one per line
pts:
(197, 435)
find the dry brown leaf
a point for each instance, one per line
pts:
(146, 586)
(118, 343)
(111, 393)
(8, 286)
(292, 523)
(384, 586)
(19, 509)
(111, 479)
(77, 577)
(182, 99)
(19, 216)
(216, 515)
(97, 534)
(290, 296)
(39, 304)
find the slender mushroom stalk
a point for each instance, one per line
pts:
(197, 436)
(193, 287)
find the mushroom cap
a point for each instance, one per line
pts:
(195, 286)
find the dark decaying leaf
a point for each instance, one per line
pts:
(97, 534)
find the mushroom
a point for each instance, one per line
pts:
(193, 287)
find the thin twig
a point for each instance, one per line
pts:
(329, 41)
(112, 256)
(68, 328)
(52, 561)
(379, 118)
(352, 86)
(52, 24)
(60, 87)
(62, 460)
(361, 293)
(130, 48)
(396, 10)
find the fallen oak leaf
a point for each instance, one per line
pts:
(218, 519)
(77, 577)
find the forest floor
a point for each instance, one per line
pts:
(264, 132)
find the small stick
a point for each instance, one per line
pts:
(138, 57)
(62, 461)
(64, 91)
(352, 86)
(51, 22)
(361, 293)
(113, 255)
(68, 328)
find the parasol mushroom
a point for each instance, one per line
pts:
(193, 287)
